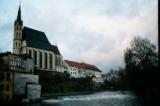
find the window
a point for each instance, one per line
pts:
(1, 76)
(40, 59)
(46, 60)
(8, 77)
(57, 60)
(30, 53)
(1, 87)
(19, 35)
(35, 57)
(16, 35)
(7, 88)
(7, 97)
(17, 27)
(50, 57)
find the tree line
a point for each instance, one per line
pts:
(140, 73)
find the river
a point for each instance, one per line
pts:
(107, 98)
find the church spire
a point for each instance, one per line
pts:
(19, 14)
(19, 20)
(17, 41)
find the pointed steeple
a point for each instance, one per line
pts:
(19, 20)
(19, 14)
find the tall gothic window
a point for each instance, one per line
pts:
(35, 57)
(30, 53)
(17, 27)
(57, 60)
(17, 35)
(16, 44)
(50, 57)
(40, 58)
(8, 77)
(46, 60)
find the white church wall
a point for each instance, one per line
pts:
(43, 59)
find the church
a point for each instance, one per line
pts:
(35, 43)
(46, 56)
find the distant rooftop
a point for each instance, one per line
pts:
(82, 65)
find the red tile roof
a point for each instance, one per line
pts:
(82, 65)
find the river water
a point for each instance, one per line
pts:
(96, 99)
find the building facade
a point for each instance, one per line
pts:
(77, 70)
(17, 78)
(6, 83)
(22, 63)
(35, 43)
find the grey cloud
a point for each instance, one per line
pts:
(93, 31)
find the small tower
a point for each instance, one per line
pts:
(17, 40)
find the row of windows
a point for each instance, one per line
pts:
(14, 63)
(60, 67)
(73, 69)
(18, 35)
(80, 72)
(4, 88)
(18, 44)
(18, 27)
(73, 73)
(5, 76)
(46, 56)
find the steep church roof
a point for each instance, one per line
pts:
(36, 39)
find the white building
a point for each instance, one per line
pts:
(76, 69)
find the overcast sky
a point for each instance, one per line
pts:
(91, 31)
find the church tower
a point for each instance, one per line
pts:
(17, 40)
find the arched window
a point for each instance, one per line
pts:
(40, 59)
(35, 57)
(30, 53)
(19, 35)
(50, 57)
(17, 27)
(46, 60)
